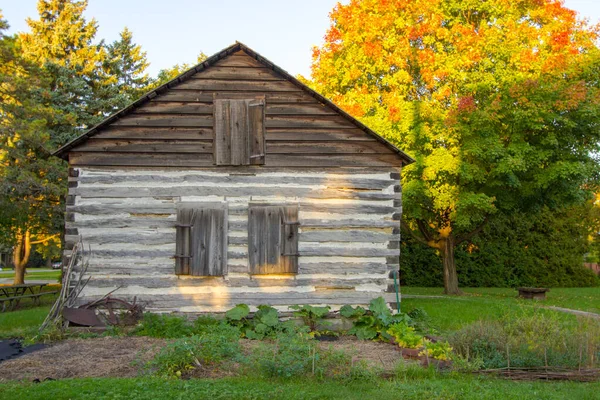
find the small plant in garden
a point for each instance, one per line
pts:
(372, 324)
(311, 316)
(265, 322)
(197, 351)
(438, 351)
(405, 336)
(163, 326)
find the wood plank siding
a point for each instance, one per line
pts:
(176, 129)
(348, 234)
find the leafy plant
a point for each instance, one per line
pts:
(439, 350)
(197, 351)
(372, 324)
(405, 336)
(264, 323)
(311, 316)
(163, 326)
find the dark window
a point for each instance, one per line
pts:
(239, 132)
(201, 243)
(273, 239)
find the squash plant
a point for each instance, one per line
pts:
(372, 323)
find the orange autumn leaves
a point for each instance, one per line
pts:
(377, 51)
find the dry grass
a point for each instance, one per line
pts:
(83, 358)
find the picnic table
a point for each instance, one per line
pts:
(13, 294)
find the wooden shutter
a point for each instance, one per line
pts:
(182, 241)
(273, 239)
(239, 137)
(256, 129)
(202, 241)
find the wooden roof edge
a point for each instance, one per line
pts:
(263, 60)
(62, 152)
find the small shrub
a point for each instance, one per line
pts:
(372, 324)
(163, 326)
(198, 351)
(483, 340)
(311, 316)
(438, 351)
(405, 336)
(264, 324)
(289, 356)
(205, 324)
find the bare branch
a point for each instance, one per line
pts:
(44, 240)
(471, 234)
(412, 234)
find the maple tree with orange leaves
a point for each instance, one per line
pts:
(498, 102)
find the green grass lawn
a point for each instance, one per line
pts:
(32, 274)
(451, 313)
(451, 387)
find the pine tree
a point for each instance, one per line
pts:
(126, 63)
(31, 180)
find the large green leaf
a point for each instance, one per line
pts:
(238, 312)
(267, 315)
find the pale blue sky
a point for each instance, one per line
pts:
(175, 31)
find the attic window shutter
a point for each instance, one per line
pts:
(273, 239)
(239, 132)
(201, 243)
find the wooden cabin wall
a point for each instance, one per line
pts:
(175, 129)
(348, 234)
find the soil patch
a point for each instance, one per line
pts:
(125, 356)
(83, 358)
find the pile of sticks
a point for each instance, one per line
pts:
(545, 373)
(73, 283)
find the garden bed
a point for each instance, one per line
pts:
(124, 357)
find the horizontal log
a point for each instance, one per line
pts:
(165, 120)
(178, 301)
(184, 95)
(161, 107)
(283, 191)
(147, 146)
(347, 236)
(326, 147)
(309, 121)
(239, 85)
(165, 160)
(347, 251)
(154, 133)
(317, 134)
(238, 73)
(161, 208)
(230, 282)
(135, 237)
(347, 182)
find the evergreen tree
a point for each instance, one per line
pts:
(126, 64)
(32, 182)
(165, 75)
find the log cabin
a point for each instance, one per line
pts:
(235, 183)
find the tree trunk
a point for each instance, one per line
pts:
(21, 256)
(446, 247)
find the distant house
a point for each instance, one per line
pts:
(235, 183)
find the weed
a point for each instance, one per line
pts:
(163, 326)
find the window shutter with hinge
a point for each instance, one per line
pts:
(239, 132)
(273, 239)
(202, 241)
(182, 241)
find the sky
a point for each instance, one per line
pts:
(176, 31)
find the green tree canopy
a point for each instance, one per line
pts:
(497, 101)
